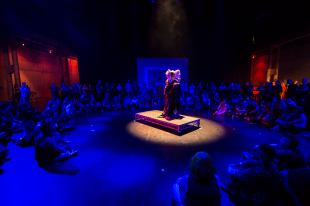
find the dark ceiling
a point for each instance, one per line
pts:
(110, 35)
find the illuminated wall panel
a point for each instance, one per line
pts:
(39, 69)
(259, 69)
(73, 68)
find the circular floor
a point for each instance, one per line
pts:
(124, 163)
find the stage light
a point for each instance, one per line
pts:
(23, 44)
(50, 51)
(253, 56)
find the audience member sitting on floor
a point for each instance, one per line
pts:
(221, 109)
(54, 91)
(5, 129)
(5, 136)
(265, 117)
(241, 109)
(50, 147)
(265, 107)
(287, 155)
(252, 110)
(256, 181)
(28, 135)
(200, 187)
(293, 120)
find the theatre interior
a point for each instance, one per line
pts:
(154, 103)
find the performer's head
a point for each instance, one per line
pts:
(173, 75)
(170, 75)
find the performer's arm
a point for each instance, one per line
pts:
(166, 85)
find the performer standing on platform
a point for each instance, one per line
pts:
(172, 94)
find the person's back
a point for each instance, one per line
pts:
(202, 186)
(203, 193)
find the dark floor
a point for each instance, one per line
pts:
(116, 168)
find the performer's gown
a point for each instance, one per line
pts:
(172, 98)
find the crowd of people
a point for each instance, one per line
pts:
(279, 105)
(268, 175)
(43, 130)
(263, 177)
